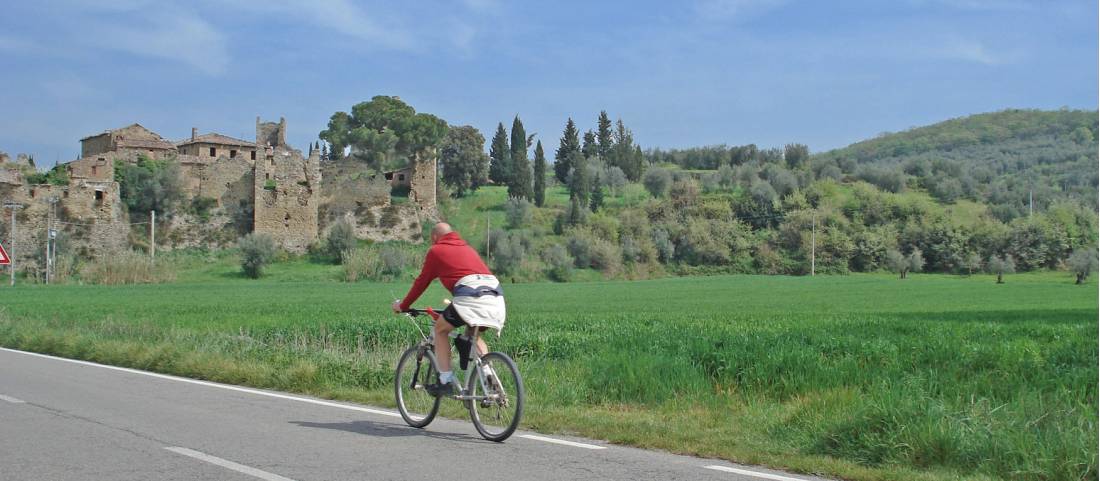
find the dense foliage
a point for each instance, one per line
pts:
(149, 185)
(384, 133)
(777, 211)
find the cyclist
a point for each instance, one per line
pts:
(477, 297)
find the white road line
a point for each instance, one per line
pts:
(11, 399)
(240, 468)
(754, 474)
(211, 384)
(561, 441)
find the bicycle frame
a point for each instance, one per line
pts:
(427, 342)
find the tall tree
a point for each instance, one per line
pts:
(623, 152)
(637, 163)
(590, 149)
(520, 182)
(568, 144)
(579, 185)
(463, 159)
(796, 155)
(384, 132)
(603, 136)
(499, 165)
(540, 175)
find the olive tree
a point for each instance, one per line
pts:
(1082, 262)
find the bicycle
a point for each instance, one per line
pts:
(494, 389)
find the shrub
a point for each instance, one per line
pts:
(574, 214)
(362, 263)
(257, 251)
(517, 212)
(657, 182)
(126, 267)
(579, 246)
(1001, 266)
(684, 193)
(606, 257)
(201, 206)
(666, 250)
(1082, 262)
(149, 185)
(393, 261)
(508, 253)
(559, 262)
(340, 240)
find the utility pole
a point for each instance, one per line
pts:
(813, 244)
(153, 234)
(1030, 203)
(488, 249)
(11, 249)
(49, 224)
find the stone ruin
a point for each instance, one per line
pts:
(231, 187)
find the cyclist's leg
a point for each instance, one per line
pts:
(442, 343)
(481, 346)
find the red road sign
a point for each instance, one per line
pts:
(4, 259)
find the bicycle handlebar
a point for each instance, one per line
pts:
(418, 312)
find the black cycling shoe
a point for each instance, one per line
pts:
(440, 389)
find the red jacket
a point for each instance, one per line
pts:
(449, 260)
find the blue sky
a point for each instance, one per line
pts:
(825, 73)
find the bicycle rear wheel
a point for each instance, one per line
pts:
(498, 400)
(415, 371)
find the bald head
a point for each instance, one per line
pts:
(439, 230)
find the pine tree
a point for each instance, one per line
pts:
(540, 175)
(603, 136)
(568, 144)
(589, 149)
(520, 184)
(597, 194)
(579, 188)
(499, 167)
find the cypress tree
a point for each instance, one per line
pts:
(638, 163)
(499, 168)
(579, 188)
(540, 175)
(589, 149)
(597, 194)
(520, 184)
(603, 135)
(569, 143)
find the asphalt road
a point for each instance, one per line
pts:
(71, 420)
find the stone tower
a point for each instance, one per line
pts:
(287, 189)
(422, 186)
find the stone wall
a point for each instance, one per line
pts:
(89, 217)
(287, 191)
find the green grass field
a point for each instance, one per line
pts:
(860, 376)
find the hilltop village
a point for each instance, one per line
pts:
(263, 186)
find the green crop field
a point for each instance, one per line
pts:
(860, 376)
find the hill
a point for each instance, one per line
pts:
(996, 158)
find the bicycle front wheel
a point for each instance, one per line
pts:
(497, 397)
(415, 371)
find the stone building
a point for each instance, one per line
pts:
(287, 189)
(130, 139)
(231, 187)
(214, 145)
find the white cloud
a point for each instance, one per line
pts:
(341, 16)
(175, 35)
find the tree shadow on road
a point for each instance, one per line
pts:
(389, 430)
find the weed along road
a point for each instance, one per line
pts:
(72, 420)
